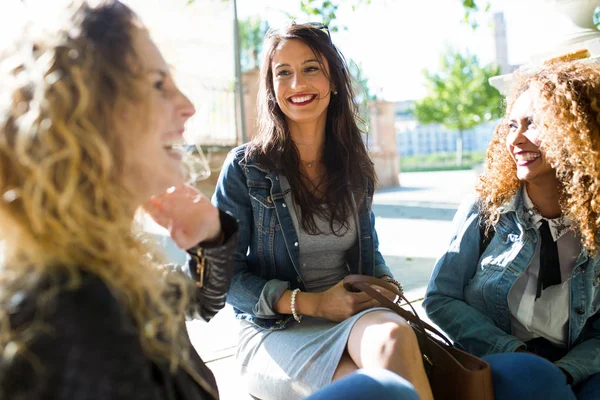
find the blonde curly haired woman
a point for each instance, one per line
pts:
(89, 115)
(522, 272)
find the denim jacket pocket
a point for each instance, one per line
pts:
(263, 206)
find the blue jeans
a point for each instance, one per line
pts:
(522, 376)
(369, 384)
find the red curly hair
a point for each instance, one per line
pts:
(569, 118)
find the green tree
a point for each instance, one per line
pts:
(252, 33)
(472, 7)
(325, 11)
(460, 96)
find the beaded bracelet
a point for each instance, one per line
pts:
(297, 317)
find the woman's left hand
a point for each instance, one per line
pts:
(188, 215)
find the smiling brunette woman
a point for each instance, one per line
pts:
(302, 192)
(522, 272)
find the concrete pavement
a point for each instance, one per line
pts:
(414, 222)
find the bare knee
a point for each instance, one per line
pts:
(396, 337)
(381, 338)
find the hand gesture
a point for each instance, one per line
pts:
(187, 214)
(338, 304)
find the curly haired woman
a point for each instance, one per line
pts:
(89, 115)
(522, 272)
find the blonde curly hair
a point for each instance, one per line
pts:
(64, 206)
(568, 114)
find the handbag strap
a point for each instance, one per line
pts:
(365, 284)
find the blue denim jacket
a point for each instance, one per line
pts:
(267, 257)
(467, 295)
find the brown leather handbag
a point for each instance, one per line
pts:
(453, 374)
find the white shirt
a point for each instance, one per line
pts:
(548, 316)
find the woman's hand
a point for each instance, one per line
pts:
(338, 304)
(187, 214)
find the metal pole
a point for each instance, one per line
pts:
(241, 114)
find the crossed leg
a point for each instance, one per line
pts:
(383, 339)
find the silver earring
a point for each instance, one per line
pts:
(335, 92)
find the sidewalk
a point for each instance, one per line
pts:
(414, 222)
(414, 226)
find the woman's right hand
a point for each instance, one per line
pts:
(338, 304)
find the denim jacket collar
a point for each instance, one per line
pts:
(517, 205)
(525, 216)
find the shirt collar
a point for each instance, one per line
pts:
(558, 226)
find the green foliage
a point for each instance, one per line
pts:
(460, 96)
(252, 32)
(325, 11)
(472, 7)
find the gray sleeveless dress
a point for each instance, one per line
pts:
(294, 362)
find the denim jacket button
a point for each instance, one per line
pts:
(269, 200)
(299, 279)
(284, 206)
(296, 244)
(580, 311)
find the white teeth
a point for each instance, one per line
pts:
(301, 99)
(527, 156)
(170, 146)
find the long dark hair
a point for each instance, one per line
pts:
(344, 155)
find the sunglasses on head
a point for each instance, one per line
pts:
(311, 25)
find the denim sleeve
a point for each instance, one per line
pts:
(248, 292)
(444, 302)
(583, 360)
(379, 267)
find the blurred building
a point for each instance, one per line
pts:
(197, 39)
(499, 38)
(414, 138)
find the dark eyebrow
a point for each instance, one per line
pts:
(303, 62)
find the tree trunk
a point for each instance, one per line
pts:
(459, 148)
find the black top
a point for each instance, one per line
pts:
(87, 347)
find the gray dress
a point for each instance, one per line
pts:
(294, 362)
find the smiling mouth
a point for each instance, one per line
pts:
(175, 150)
(302, 100)
(526, 158)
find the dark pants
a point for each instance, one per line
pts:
(522, 376)
(377, 384)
